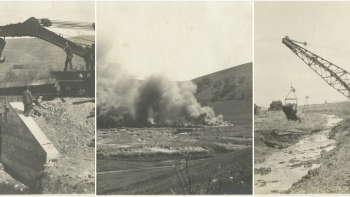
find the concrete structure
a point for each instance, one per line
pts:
(25, 148)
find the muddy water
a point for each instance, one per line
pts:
(282, 174)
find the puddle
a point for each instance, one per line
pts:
(282, 174)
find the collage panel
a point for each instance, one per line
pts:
(174, 88)
(47, 118)
(301, 91)
(174, 98)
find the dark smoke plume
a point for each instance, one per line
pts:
(125, 101)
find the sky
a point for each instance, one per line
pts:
(276, 66)
(181, 40)
(13, 12)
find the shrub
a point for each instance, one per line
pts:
(227, 89)
(217, 84)
(241, 79)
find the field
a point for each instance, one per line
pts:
(143, 160)
(273, 133)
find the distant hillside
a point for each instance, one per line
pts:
(229, 92)
(37, 54)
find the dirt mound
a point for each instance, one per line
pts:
(70, 130)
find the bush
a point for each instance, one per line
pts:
(231, 96)
(242, 97)
(203, 84)
(217, 84)
(227, 89)
(227, 80)
(216, 96)
(241, 79)
(276, 105)
(206, 81)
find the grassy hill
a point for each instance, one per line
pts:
(37, 54)
(229, 92)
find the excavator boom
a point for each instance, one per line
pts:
(32, 28)
(335, 76)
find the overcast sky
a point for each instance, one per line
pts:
(19, 11)
(182, 40)
(276, 66)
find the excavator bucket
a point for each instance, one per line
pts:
(2, 46)
(290, 110)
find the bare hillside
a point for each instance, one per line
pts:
(229, 92)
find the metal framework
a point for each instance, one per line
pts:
(306, 105)
(335, 76)
(295, 98)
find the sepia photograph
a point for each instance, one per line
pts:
(174, 98)
(301, 98)
(47, 97)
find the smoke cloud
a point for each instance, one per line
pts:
(156, 101)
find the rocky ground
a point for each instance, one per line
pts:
(72, 132)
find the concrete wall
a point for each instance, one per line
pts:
(25, 148)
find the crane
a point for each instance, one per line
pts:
(33, 27)
(335, 76)
(295, 98)
(77, 83)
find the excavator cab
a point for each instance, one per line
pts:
(2, 46)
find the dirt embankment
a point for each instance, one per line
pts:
(333, 176)
(273, 132)
(72, 133)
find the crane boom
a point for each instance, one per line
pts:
(335, 76)
(32, 28)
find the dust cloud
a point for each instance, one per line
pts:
(156, 101)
